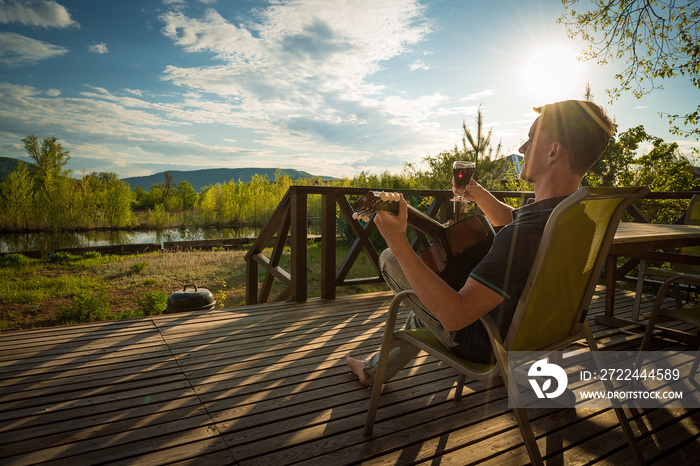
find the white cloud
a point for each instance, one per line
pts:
(126, 127)
(137, 92)
(100, 48)
(418, 65)
(295, 81)
(16, 49)
(306, 66)
(44, 13)
(478, 95)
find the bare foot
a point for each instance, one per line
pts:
(357, 368)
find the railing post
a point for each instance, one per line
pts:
(299, 228)
(251, 282)
(328, 240)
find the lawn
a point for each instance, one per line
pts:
(65, 289)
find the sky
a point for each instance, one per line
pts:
(331, 87)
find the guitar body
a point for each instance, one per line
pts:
(456, 248)
(469, 240)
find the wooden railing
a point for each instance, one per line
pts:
(288, 226)
(290, 219)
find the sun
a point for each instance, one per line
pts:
(553, 73)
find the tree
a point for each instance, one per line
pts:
(658, 38)
(167, 184)
(614, 167)
(480, 143)
(17, 193)
(117, 205)
(480, 150)
(187, 194)
(51, 179)
(49, 157)
(665, 169)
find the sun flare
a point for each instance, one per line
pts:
(553, 73)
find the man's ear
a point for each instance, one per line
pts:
(556, 150)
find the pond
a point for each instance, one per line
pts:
(47, 242)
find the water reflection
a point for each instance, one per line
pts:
(47, 242)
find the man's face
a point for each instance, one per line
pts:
(535, 152)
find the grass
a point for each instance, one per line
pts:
(64, 288)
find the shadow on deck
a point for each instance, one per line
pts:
(267, 384)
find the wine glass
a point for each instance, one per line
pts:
(462, 172)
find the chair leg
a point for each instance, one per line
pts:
(528, 436)
(388, 344)
(520, 413)
(640, 285)
(629, 435)
(377, 388)
(460, 386)
(694, 367)
(677, 294)
(619, 411)
(649, 332)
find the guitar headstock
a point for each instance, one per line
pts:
(373, 201)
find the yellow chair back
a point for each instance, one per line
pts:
(564, 276)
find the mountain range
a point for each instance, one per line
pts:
(7, 166)
(197, 178)
(210, 176)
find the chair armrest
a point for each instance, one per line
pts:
(394, 307)
(684, 278)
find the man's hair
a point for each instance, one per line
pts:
(581, 126)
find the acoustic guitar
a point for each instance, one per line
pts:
(456, 248)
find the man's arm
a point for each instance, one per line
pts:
(497, 212)
(455, 310)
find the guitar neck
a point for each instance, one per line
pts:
(424, 223)
(374, 200)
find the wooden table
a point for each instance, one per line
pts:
(644, 241)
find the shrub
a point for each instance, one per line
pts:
(153, 303)
(221, 295)
(130, 314)
(61, 257)
(86, 308)
(138, 267)
(14, 260)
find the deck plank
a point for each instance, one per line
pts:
(267, 384)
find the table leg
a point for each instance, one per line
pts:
(610, 284)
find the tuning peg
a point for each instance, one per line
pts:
(395, 196)
(384, 196)
(365, 218)
(355, 215)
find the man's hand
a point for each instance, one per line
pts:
(497, 212)
(393, 226)
(471, 192)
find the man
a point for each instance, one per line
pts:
(564, 142)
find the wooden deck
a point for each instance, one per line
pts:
(267, 385)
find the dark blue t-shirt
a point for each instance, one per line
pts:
(505, 269)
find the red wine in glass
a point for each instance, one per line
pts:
(462, 173)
